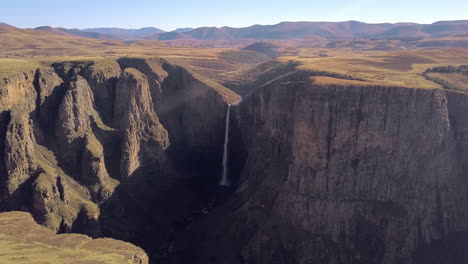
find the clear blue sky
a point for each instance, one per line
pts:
(171, 14)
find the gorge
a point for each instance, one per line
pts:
(315, 167)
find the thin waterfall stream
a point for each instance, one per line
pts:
(224, 178)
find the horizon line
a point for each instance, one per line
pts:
(219, 27)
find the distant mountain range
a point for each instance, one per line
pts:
(183, 30)
(331, 31)
(127, 34)
(78, 32)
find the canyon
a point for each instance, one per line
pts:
(315, 167)
(84, 151)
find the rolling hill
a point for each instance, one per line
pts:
(5, 25)
(330, 30)
(435, 30)
(284, 31)
(288, 36)
(104, 33)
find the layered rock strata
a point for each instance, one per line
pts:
(76, 137)
(342, 174)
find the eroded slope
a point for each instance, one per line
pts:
(24, 241)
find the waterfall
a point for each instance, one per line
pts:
(224, 178)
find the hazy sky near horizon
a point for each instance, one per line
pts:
(172, 14)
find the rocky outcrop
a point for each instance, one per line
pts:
(50, 89)
(18, 151)
(152, 68)
(73, 122)
(18, 92)
(340, 174)
(81, 154)
(102, 77)
(94, 174)
(17, 99)
(144, 139)
(55, 199)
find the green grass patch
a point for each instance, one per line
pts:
(229, 96)
(22, 241)
(12, 67)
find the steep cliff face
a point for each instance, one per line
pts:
(102, 78)
(179, 107)
(31, 178)
(197, 137)
(144, 137)
(50, 89)
(92, 146)
(341, 174)
(192, 110)
(18, 92)
(18, 151)
(17, 98)
(73, 122)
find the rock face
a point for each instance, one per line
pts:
(342, 174)
(160, 172)
(84, 145)
(190, 108)
(18, 151)
(73, 121)
(144, 137)
(102, 78)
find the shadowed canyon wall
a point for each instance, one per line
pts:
(343, 174)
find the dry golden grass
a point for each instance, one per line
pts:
(402, 68)
(383, 68)
(32, 43)
(10, 67)
(37, 46)
(459, 41)
(24, 241)
(229, 96)
(457, 80)
(325, 80)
